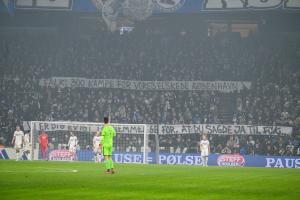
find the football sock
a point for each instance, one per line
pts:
(111, 164)
(107, 164)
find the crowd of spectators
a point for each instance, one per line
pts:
(268, 62)
(245, 145)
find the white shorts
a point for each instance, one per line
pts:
(27, 148)
(204, 153)
(97, 150)
(18, 146)
(72, 149)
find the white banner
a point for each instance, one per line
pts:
(86, 127)
(222, 86)
(162, 129)
(221, 129)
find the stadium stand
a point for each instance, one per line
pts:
(268, 61)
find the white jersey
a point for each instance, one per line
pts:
(27, 141)
(19, 136)
(72, 141)
(204, 147)
(97, 141)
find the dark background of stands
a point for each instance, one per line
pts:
(36, 45)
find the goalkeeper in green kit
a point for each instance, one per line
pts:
(108, 134)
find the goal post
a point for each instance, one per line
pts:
(131, 139)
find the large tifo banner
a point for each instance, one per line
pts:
(163, 129)
(222, 86)
(157, 6)
(189, 6)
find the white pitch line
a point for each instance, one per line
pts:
(46, 171)
(58, 169)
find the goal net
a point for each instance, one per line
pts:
(131, 143)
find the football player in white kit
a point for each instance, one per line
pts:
(27, 145)
(205, 149)
(18, 141)
(72, 144)
(96, 147)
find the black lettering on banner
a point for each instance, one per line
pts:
(242, 130)
(100, 83)
(53, 127)
(52, 83)
(225, 86)
(270, 130)
(73, 82)
(61, 127)
(266, 130)
(194, 86)
(164, 85)
(237, 129)
(70, 128)
(136, 85)
(185, 129)
(251, 129)
(222, 129)
(150, 85)
(128, 84)
(92, 83)
(168, 129)
(198, 129)
(133, 129)
(209, 128)
(219, 86)
(81, 82)
(46, 126)
(119, 84)
(229, 131)
(171, 129)
(172, 86)
(184, 85)
(144, 85)
(256, 130)
(60, 82)
(41, 126)
(215, 129)
(83, 128)
(75, 128)
(152, 129)
(107, 83)
(277, 130)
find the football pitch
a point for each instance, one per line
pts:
(44, 180)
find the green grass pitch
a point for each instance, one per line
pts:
(44, 180)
